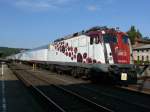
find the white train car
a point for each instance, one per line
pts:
(15, 56)
(39, 54)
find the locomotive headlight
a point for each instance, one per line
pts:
(103, 32)
(116, 49)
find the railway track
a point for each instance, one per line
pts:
(115, 100)
(59, 98)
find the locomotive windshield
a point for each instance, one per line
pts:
(110, 39)
(125, 39)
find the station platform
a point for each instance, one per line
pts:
(14, 96)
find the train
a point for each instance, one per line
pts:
(99, 53)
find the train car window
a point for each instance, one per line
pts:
(125, 39)
(97, 40)
(91, 40)
(94, 39)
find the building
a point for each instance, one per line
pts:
(140, 42)
(141, 54)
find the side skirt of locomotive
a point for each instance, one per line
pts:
(122, 74)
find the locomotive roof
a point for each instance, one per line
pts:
(91, 30)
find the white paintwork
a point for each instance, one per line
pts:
(82, 42)
(2, 69)
(110, 58)
(40, 55)
(131, 52)
(3, 100)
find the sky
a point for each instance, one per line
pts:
(33, 23)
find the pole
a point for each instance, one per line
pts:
(2, 69)
(33, 67)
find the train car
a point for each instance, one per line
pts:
(98, 53)
(39, 54)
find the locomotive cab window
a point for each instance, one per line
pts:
(114, 39)
(125, 39)
(110, 39)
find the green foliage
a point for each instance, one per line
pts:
(133, 34)
(141, 62)
(5, 51)
(1, 54)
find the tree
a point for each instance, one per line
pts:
(1, 54)
(133, 34)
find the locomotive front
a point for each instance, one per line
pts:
(118, 66)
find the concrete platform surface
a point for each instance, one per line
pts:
(14, 96)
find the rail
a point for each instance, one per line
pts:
(59, 108)
(91, 102)
(85, 100)
(40, 94)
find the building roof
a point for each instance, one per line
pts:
(144, 41)
(142, 47)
